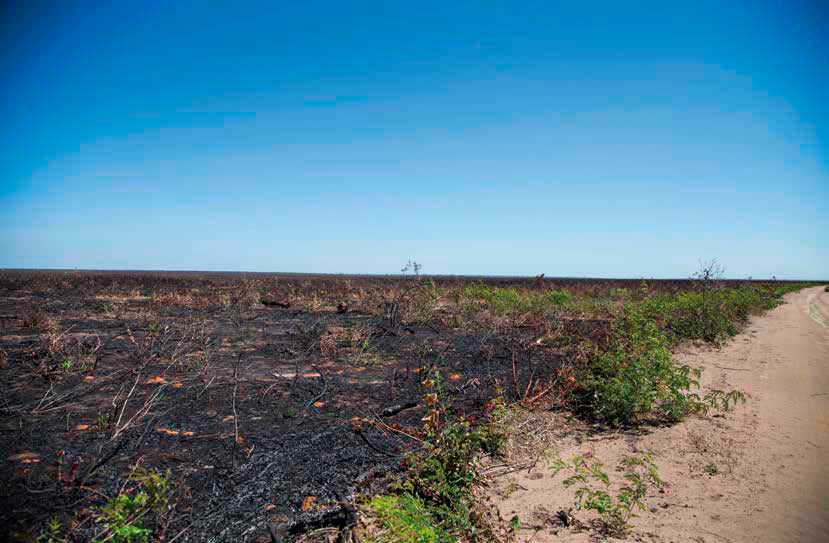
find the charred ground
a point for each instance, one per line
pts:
(246, 387)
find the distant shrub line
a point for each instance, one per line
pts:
(504, 301)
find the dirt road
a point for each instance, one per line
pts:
(760, 473)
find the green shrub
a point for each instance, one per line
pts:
(635, 377)
(446, 474)
(435, 502)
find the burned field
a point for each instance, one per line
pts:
(262, 399)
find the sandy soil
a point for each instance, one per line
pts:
(771, 481)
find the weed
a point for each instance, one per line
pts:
(67, 364)
(121, 518)
(716, 400)
(712, 469)
(52, 533)
(595, 487)
(124, 517)
(104, 421)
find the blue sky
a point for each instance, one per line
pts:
(572, 138)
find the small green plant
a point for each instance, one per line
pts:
(125, 516)
(594, 489)
(717, 400)
(121, 517)
(52, 532)
(712, 469)
(67, 364)
(104, 421)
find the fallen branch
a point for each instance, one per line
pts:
(395, 409)
(101, 462)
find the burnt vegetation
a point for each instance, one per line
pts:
(244, 407)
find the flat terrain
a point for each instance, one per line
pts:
(249, 405)
(757, 474)
(275, 399)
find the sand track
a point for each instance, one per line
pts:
(772, 480)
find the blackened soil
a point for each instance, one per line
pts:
(251, 408)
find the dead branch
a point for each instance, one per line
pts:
(392, 410)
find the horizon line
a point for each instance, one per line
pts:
(402, 275)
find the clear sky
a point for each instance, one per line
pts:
(626, 139)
